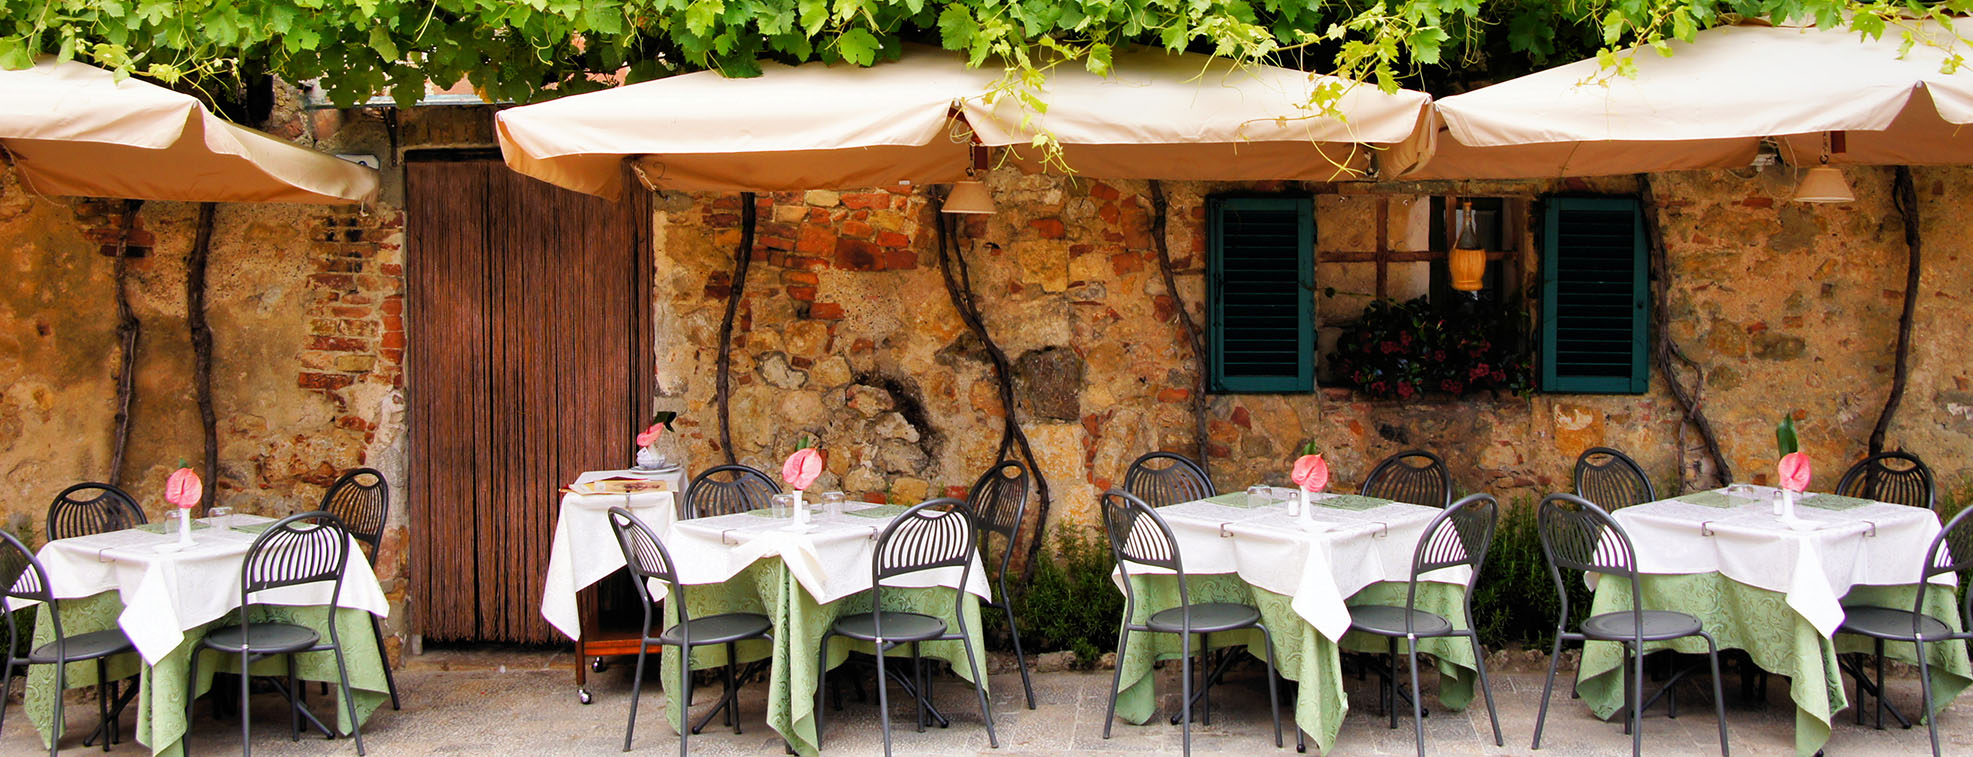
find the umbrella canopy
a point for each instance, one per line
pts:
(815, 126)
(1710, 104)
(72, 129)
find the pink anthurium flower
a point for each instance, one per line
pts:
(802, 468)
(183, 489)
(1311, 473)
(650, 435)
(1795, 472)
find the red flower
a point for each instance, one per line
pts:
(1388, 347)
(1453, 386)
(1499, 375)
(1478, 372)
(1377, 387)
(1404, 389)
(1405, 338)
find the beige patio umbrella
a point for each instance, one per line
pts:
(916, 119)
(1816, 93)
(72, 129)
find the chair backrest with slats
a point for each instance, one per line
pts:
(1460, 536)
(361, 500)
(728, 489)
(92, 508)
(1611, 479)
(999, 501)
(306, 548)
(1413, 476)
(1951, 552)
(646, 558)
(934, 534)
(1139, 537)
(1897, 477)
(1577, 535)
(1164, 478)
(23, 578)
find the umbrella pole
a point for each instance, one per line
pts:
(1905, 197)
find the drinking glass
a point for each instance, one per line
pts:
(1259, 495)
(832, 502)
(782, 506)
(220, 517)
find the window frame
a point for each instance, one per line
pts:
(1303, 379)
(1551, 379)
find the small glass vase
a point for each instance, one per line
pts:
(665, 454)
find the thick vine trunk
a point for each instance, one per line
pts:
(128, 331)
(1669, 355)
(959, 286)
(1905, 197)
(1194, 338)
(195, 320)
(742, 259)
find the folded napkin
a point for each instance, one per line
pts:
(880, 511)
(158, 528)
(1831, 502)
(1712, 499)
(1351, 502)
(1240, 500)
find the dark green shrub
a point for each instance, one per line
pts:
(1514, 599)
(1072, 604)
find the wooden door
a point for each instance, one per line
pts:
(529, 361)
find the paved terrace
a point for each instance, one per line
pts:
(502, 702)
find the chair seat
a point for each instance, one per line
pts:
(1206, 618)
(265, 638)
(898, 626)
(1385, 620)
(1886, 623)
(1659, 625)
(719, 629)
(86, 646)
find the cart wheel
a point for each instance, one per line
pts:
(583, 696)
(597, 665)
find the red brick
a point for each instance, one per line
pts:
(1108, 212)
(862, 345)
(1241, 418)
(1174, 395)
(1102, 191)
(718, 292)
(802, 293)
(394, 304)
(801, 362)
(1049, 228)
(867, 200)
(1758, 202)
(333, 280)
(777, 243)
(723, 220)
(391, 269)
(342, 311)
(893, 239)
(394, 339)
(800, 277)
(323, 381)
(1124, 262)
(806, 263)
(900, 259)
(342, 344)
(827, 311)
(816, 240)
(857, 229)
(357, 299)
(858, 255)
(818, 215)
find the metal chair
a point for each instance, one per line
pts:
(1164, 478)
(727, 489)
(1578, 535)
(361, 500)
(1612, 480)
(1898, 477)
(647, 560)
(92, 508)
(1460, 536)
(935, 534)
(22, 577)
(1951, 552)
(1139, 537)
(999, 501)
(297, 550)
(1413, 476)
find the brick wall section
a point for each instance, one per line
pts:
(355, 307)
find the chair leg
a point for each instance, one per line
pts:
(6, 684)
(1020, 660)
(732, 688)
(821, 686)
(682, 698)
(1391, 700)
(1637, 703)
(1719, 692)
(191, 692)
(246, 740)
(390, 681)
(1116, 680)
(1273, 700)
(979, 687)
(1486, 689)
(102, 702)
(294, 702)
(1185, 690)
(1205, 669)
(1547, 687)
(61, 685)
(1417, 698)
(883, 699)
(349, 695)
(636, 688)
(918, 681)
(1880, 684)
(1925, 689)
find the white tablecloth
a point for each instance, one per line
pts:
(1876, 544)
(831, 561)
(584, 550)
(165, 594)
(1320, 565)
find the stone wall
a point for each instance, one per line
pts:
(846, 333)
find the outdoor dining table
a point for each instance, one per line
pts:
(803, 580)
(165, 598)
(1777, 591)
(1302, 574)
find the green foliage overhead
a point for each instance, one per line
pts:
(524, 50)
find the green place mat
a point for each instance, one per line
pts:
(764, 513)
(1352, 502)
(254, 528)
(158, 528)
(1832, 502)
(1237, 499)
(1712, 499)
(880, 511)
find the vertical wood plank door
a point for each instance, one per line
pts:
(529, 356)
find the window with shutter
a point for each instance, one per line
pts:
(1595, 303)
(1260, 280)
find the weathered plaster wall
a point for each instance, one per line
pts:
(846, 333)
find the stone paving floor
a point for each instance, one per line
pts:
(523, 703)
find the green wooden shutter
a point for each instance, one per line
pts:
(1595, 304)
(1260, 273)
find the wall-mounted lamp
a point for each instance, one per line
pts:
(1824, 183)
(1468, 259)
(970, 196)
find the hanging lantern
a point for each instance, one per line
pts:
(1467, 261)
